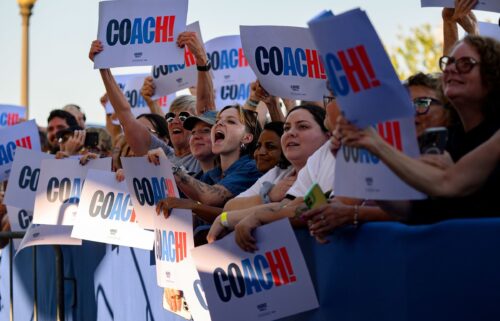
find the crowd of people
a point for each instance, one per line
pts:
(242, 166)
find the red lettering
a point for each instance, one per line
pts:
(189, 57)
(132, 217)
(368, 66)
(164, 30)
(390, 131)
(180, 246)
(24, 142)
(313, 63)
(277, 267)
(288, 264)
(353, 68)
(170, 188)
(242, 60)
(162, 101)
(321, 69)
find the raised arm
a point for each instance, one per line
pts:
(205, 98)
(136, 134)
(147, 91)
(461, 14)
(211, 195)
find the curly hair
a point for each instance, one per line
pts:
(277, 128)
(489, 53)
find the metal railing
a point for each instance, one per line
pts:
(59, 261)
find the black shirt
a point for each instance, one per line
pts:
(483, 203)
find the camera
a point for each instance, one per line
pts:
(433, 140)
(91, 138)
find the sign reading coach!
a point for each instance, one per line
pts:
(105, 213)
(21, 135)
(360, 174)
(134, 34)
(10, 115)
(169, 79)
(59, 189)
(148, 184)
(359, 70)
(285, 61)
(24, 176)
(269, 284)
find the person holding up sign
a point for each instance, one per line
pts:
(461, 14)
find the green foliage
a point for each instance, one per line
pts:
(418, 51)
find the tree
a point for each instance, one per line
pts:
(419, 51)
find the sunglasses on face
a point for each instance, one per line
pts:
(327, 100)
(423, 104)
(183, 115)
(463, 65)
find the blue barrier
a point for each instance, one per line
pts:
(381, 271)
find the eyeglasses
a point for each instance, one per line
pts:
(183, 115)
(327, 100)
(463, 65)
(423, 104)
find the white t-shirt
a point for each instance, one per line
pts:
(272, 176)
(320, 168)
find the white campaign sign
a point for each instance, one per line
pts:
(173, 244)
(132, 92)
(286, 61)
(485, 5)
(191, 286)
(360, 174)
(489, 30)
(148, 184)
(169, 79)
(135, 34)
(19, 219)
(11, 114)
(59, 189)
(39, 234)
(24, 177)
(269, 284)
(232, 94)
(228, 60)
(105, 213)
(22, 135)
(121, 81)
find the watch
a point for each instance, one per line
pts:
(207, 66)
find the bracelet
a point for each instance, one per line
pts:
(223, 219)
(355, 221)
(252, 103)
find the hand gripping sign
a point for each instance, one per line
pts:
(135, 34)
(105, 213)
(24, 177)
(360, 174)
(20, 135)
(169, 79)
(269, 284)
(484, 5)
(285, 61)
(148, 184)
(359, 71)
(10, 115)
(59, 189)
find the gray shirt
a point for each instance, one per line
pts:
(188, 162)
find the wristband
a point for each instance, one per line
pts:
(223, 220)
(252, 103)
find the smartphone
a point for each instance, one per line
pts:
(91, 139)
(314, 197)
(433, 140)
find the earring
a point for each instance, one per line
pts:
(243, 146)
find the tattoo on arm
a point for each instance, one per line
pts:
(219, 194)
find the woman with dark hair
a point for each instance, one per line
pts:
(471, 82)
(157, 125)
(304, 133)
(269, 152)
(234, 138)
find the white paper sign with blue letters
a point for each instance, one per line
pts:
(21, 135)
(148, 184)
(106, 215)
(19, 219)
(24, 177)
(286, 61)
(484, 5)
(11, 114)
(359, 71)
(59, 189)
(171, 78)
(121, 81)
(140, 33)
(360, 174)
(270, 284)
(489, 30)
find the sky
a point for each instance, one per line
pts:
(61, 32)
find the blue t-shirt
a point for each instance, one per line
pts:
(238, 177)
